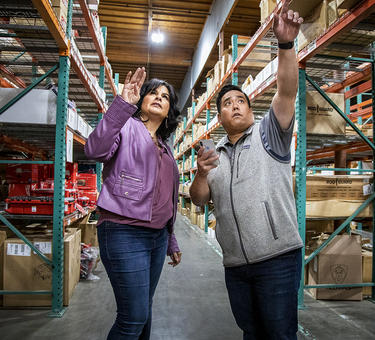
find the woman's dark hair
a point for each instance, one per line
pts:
(226, 89)
(169, 124)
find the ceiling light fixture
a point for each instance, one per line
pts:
(157, 37)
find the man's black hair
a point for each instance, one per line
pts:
(226, 89)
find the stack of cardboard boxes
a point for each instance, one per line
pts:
(23, 270)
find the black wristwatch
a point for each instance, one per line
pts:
(286, 46)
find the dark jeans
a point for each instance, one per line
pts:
(264, 297)
(133, 258)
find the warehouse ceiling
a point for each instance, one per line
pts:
(130, 24)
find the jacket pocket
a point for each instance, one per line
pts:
(270, 219)
(129, 186)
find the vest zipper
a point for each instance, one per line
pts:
(232, 203)
(238, 162)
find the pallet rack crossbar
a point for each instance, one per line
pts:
(340, 228)
(12, 161)
(25, 292)
(28, 89)
(315, 168)
(342, 114)
(24, 239)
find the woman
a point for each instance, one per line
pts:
(138, 200)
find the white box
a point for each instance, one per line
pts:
(90, 129)
(81, 125)
(71, 118)
(36, 107)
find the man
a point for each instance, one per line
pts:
(251, 189)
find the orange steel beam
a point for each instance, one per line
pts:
(18, 145)
(48, 15)
(90, 26)
(361, 113)
(361, 105)
(358, 89)
(84, 79)
(347, 21)
(12, 76)
(355, 78)
(98, 46)
(77, 138)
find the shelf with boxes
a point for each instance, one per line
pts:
(327, 57)
(37, 36)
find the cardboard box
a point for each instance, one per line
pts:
(335, 208)
(36, 107)
(314, 25)
(321, 118)
(304, 8)
(266, 7)
(61, 14)
(320, 226)
(339, 263)
(24, 270)
(336, 187)
(259, 57)
(347, 4)
(366, 271)
(89, 233)
(72, 262)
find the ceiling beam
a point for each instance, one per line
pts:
(220, 12)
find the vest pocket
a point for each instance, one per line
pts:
(270, 219)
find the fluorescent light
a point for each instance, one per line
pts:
(157, 37)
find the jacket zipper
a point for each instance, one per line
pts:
(132, 178)
(232, 203)
(270, 220)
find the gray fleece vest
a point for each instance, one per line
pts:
(254, 203)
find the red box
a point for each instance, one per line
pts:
(90, 194)
(86, 181)
(29, 206)
(69, 206)
(71, 171)
(19, 190)
(23, 173)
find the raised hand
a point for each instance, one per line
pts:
(286, 25)
(132, 85)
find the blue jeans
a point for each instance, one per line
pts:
(264, 297)
(133, 258)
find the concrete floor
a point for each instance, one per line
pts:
(191, 303)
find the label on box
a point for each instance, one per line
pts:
(368, 189)
(18, 249)
(33, 208)
(43, 247)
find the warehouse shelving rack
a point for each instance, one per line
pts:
(316, 65)
(51, 46)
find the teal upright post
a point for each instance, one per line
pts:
(234, 57)
(117, 79)
(59, 181)
(301, 172)
(99, 166)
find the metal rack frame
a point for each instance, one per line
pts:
(65, 60)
